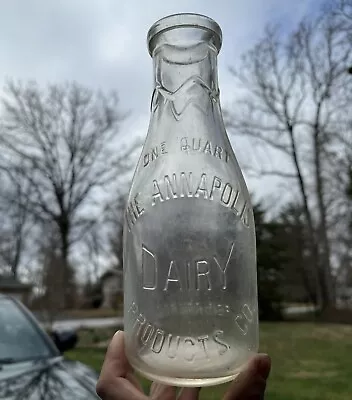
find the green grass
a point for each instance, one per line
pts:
(310, 361)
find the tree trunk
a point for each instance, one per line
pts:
(323, 241)
(308, 216)
(17, 259)
(68, 290)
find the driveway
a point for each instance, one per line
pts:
(89, 323)
(118, 321)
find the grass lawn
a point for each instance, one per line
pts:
(310, 361)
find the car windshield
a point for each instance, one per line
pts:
(19, 338)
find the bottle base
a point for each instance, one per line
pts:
(187, 382)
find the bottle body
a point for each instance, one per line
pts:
(189, 239)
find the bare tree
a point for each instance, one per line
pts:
(114, 221)
(342, 10)
(56, 281)
(16, 224)
(297, 268)
(294, 101)
(64, 143)
(104, 243)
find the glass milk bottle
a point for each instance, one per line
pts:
(190, 305)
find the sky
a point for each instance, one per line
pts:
(102, 43)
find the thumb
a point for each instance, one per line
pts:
(251, 382)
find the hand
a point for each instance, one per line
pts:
(117, 381)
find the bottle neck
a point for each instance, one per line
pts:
(185, 77)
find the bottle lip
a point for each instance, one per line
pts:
(185, 20)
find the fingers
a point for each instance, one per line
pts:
(134, 380)
(115, 356)
(163, 392)
(112, 383)
(159, 391)
(189, 394)
(117, 382)
(251, 383)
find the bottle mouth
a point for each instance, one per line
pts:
(211, 30)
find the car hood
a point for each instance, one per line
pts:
(49, 379)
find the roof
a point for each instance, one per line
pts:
(10, 282)
(110, 273)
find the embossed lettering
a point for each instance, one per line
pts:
(139, 208)
(163, 148)
(203, 340)
(154, 153)
(226, 194)
(186, 275)
(131, 215)
(172, 353)
(201, 145)
(133, 308)
(234, 201)
(218, 152)
(241, 323)
(184, 144)
(140, 321)
(173, 275)
(247, 312)
(147, 333)
(174, 186)
(196, 144)
(202, 187)
(155, 338)
(188, 355)
(133, 211)
(223, 309)
(158, 341)
(224, 268)
(207, 147)
(203, 271)
(156, 193)
(186, 185)
(244, 319)
(149, 269)
(171, 187)
(215, 185)
(244, 214)
(224, 347)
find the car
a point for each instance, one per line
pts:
(32, 364)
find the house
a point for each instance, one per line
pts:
(112, 288)
(11, 286)
(344, 297)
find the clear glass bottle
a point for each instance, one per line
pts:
(190, 305)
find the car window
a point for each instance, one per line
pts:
(19, 338)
